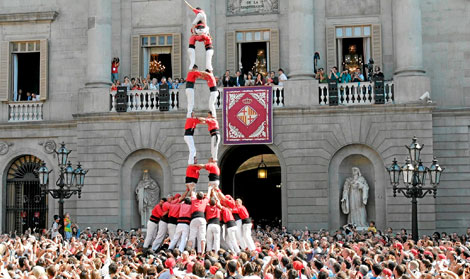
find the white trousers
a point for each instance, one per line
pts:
(246, 233)
(181, 235)
(192, 57)
(212, 101)
(223, 243)
(152, 230)
(192, 148)
(239, 235)
(215, 140)
(209, 54)
(171, 230)
(162, 230)
(213, 237)
(231, 239)
(197, 228)
(190, 98)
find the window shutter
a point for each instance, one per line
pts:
(274, 50)
(176, 55)
(135, 56)
(330, 48)
(4, 70)
(43, 70)
(230, 53)
(377, 45)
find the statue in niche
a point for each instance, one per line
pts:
(354, 199)
(148, 195)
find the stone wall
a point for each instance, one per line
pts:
(452, 148)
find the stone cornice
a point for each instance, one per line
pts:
(28, 17)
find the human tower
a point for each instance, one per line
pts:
(208, 221)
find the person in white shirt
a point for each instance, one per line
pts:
(282, 77)
(154, 84)
(55, 227)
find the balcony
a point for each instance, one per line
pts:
(148, 100)
(25, 111)
(355, 93)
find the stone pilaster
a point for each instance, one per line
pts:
(94, 97)
(301, 46)
(410, 79)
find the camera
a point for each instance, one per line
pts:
(116, 60)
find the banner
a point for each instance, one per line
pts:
(248, 115)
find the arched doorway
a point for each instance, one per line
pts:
(239, 178)
(25, 206)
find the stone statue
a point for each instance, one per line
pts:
(354, 200)
(147, 195)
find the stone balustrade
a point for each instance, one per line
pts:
(148, 100)
(25, 111)
(145, 100)
(355, 93)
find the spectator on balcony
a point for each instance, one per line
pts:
(145, 85)
(259, 80)
(345, 76)
(28, 96)
(377, 73)
(282, 77)
(153, 85)
(148, 78)
(163, 82)
(127, 83)
(115, 69)
(34, 97)
(226, 79)
(333, 75)
(134, 85)
(320, 76)
(272, 79)
(238, 80)
(114, 86)
(170, 83)
(249, 80)
(19, 96)
(357, 76)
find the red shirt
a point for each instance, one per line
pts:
(192, 76)
(243, 212)
(212, 124)
(185, 211)
(193, 171)
(199, 205)
(157, 211)
(212, 211)
(227, 215)
(191, 123)
(212, 168)
(174, 210)
(165, 206)
(210, 80)
(114, 68)
(229, 203)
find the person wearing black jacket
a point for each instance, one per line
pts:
(227, 80)
(238, 80)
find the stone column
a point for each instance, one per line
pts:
(410, 80)
(301, 46)
(95, 96)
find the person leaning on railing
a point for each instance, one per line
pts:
(333, 75)
(320, 76)
(345, 77)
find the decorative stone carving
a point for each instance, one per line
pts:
(242, 7)
(49, 146)
(4, 147)
(148, 195)
(354, 200)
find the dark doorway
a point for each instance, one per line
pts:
(254, 57)
(239, 177)
(353, 54)
(165, 59)
(26, 207)
(28, 73)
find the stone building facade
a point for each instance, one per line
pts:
(420, 44)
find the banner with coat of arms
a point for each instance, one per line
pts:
(248, 115)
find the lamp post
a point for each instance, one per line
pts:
(70, 181)
(414, 175)
(262, 169)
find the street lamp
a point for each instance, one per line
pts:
(69, 183)
(414, 176)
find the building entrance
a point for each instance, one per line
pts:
(26, 208)
(239, 176)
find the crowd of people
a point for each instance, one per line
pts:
(278, 254)
(147, 83)
(250, 79)
(346, 76)
(21, 96)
